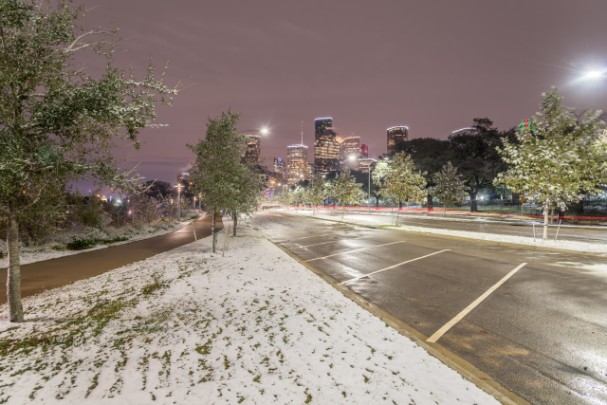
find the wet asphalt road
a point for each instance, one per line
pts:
(44, 275)
(541, 334)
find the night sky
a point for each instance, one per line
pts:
(431, 65)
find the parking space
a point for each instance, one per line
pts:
(533, 320)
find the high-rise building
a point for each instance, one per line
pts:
(321, 124)
(279, 168)
(253, 150)
(363, 151)
(350, 152)
(396, 135)
(297, 163)
(326, 146)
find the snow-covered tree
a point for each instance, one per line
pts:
(246, 201)
(316, 191)
(57, 123)
(448, 186)
(401, 182)
(346, 190)
(556, 157)
(218, 169)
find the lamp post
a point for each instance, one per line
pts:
(179, 187)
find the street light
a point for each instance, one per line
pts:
(179, 187)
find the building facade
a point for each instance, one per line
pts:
(252, 152)
(326, 146)
(396, 135)
(297, 163)
(350, 153)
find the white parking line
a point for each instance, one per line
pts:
(439, 333)
(354, 250)
(394, 266)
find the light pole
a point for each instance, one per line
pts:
(179, 187)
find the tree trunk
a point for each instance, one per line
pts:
(13, 275)
(473, 204)
(545, 231)
(235, 221)
(213, 233)
(429, 202)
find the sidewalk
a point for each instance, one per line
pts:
(254, 326)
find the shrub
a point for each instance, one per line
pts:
(80, 244)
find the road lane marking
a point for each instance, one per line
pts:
(394, 266)
(354, 250)
(439, 333)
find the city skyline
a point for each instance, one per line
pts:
(370, 66)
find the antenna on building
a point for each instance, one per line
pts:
(302, 132)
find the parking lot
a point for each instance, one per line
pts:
(533, 320)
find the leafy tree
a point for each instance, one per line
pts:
(558, 158)
(347, 190)
(218, 172)
(249, 184)
(316, 191)
(448, 186)
(429, 155)
(401, 181)
(474, 154)
(56, 122)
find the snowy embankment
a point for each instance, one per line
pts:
(56, 248)
(188, 326)
(388, 221)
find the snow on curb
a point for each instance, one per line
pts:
(254, 326)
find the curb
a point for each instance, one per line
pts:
(461, 366)
(470, 238)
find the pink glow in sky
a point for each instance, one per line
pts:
(433, 66)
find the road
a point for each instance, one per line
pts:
(40, 276)
(514, 227)
(541, 333)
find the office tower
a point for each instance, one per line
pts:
(363, 151)
(326, 146)
(297, 163)
(253, 149)
(279, 168)
(350, 152)
(366, 164)
(396, 135)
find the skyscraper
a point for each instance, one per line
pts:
(326, 146)
(350, 152)
(396, 135)
(297, 163)
(253, 150)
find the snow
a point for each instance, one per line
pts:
(186, 326)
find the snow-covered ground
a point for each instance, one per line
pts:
(189, 326)
(47, 251)
(387, 220)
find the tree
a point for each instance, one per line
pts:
(557, 157)
(249, 184)
(401, 181)
(217, 172)
(474, 154)
(316, 191)
(429, 155)
(56, 122)
(347, 190)
(448, 186)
